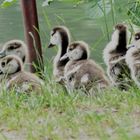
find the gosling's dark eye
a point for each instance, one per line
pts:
(3, 64)
(137, 37)
(70, 49)
(11, 48)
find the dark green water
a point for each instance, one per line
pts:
(58, 13)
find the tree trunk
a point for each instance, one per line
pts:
(32, 36)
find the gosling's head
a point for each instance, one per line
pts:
(119, 31)
(59, 36)
(15, 47)
(10, 64)
(120, 27)
(136, 41)
(77, 50)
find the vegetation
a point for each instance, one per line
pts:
(57, 115)
(7, 3)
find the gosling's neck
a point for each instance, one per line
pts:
(62, 50)
(122, 43)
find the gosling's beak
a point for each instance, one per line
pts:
(65, 56)
(2, 54)
(51, 45)
(131, 46)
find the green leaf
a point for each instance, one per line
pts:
(7, 3)
(46, 3)
(96, 9)
(134, 13)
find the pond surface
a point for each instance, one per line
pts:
(58, 13)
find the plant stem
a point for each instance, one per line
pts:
(105, 18)
(112, 12)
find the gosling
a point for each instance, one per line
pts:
(60, 37)
(82, 72)
(114, 57)
(15, 47)
(133, 59)
(11, 69)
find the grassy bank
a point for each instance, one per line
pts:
(56, 115)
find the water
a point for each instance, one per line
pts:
(58, 13)
(11, 24)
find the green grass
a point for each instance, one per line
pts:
(56, 115)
